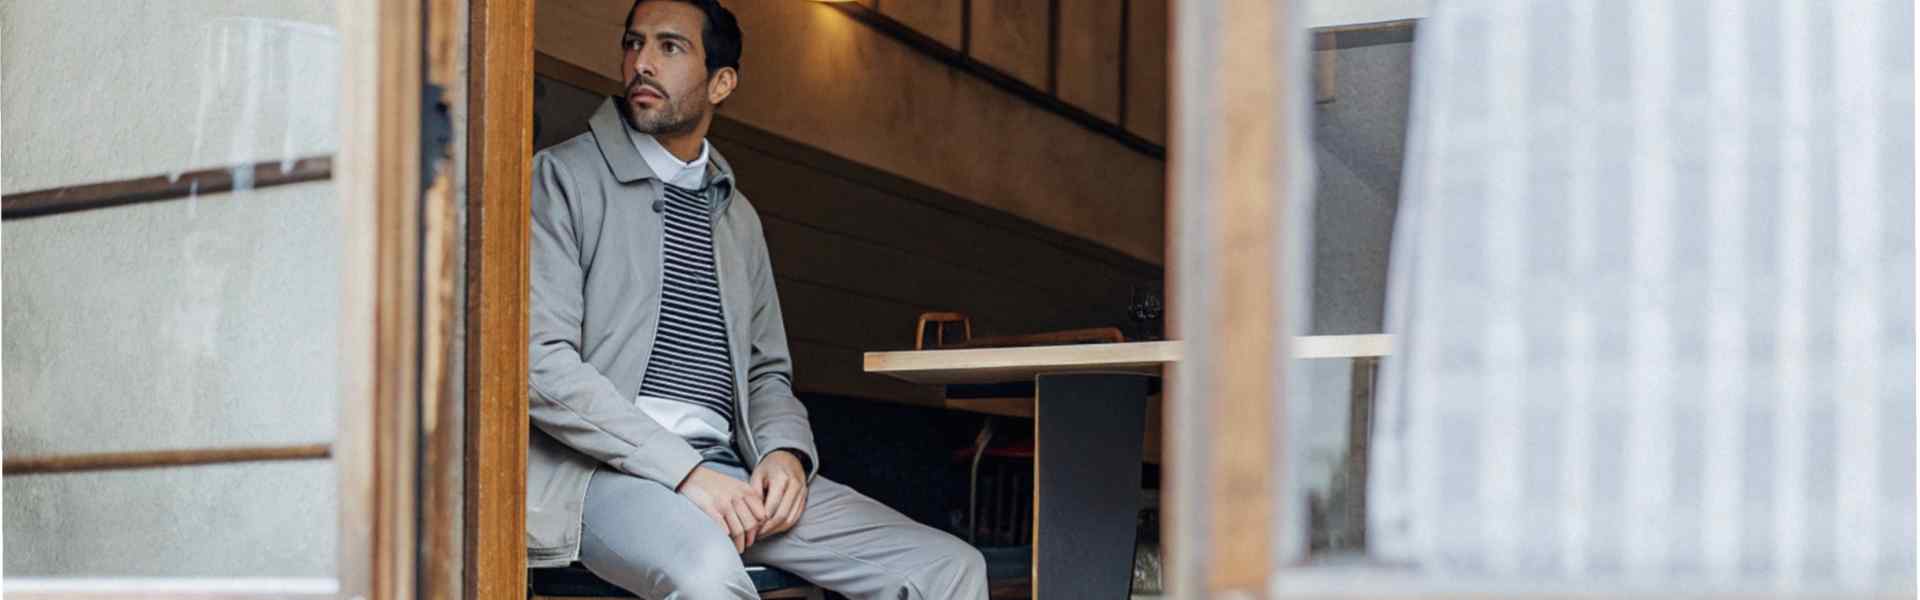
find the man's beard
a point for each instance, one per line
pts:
(669, 118)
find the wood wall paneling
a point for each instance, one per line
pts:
(1012, 35)
(963, 136)
(858, 253)
(809, 254)
(856, 265)
(916, 222)
(844, 317)
(907, 115)
(1089, 60)
(1146, 89)
(586, 33)
(819, 368)
(907, 190)
(940, 20)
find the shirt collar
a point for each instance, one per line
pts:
(690, 175)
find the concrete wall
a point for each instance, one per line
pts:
(202, 322)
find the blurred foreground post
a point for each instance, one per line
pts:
(1235, 166)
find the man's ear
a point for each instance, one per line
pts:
(720, 86)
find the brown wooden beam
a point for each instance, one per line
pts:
(154, 459)
(159, 188)
(500, 71)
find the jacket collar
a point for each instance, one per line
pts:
(610, 132)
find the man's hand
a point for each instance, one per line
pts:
(782, 484)
(732, 503)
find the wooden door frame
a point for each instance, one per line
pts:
(499, 129)
(378, 177)
(408, 529)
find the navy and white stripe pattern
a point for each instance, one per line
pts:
(690, 361)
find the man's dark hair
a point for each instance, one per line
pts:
(720, 39)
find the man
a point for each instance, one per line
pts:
(668, 445)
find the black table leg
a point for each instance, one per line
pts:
(1088, 429)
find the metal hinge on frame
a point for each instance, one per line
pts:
(436, 131)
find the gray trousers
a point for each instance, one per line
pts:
(642, 536)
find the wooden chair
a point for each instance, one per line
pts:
(940, 321)
(575, 581)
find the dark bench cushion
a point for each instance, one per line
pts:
(576, 580)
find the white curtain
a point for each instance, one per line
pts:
(1653, 280)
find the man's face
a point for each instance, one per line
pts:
(666, 68)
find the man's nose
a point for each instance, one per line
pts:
(643, 62)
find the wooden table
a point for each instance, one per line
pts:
(1089, 419)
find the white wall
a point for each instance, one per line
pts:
(202, 322)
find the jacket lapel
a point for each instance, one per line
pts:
(610, 132)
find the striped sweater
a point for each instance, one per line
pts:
(690, 363)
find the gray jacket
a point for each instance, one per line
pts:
(596, 259)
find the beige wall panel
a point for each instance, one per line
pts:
(937, 19)
(587, 33)
(790, 189)
(1089, 75)
(1011, 35)
(1147, 69)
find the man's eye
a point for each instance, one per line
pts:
(630, 44)
(673, 49)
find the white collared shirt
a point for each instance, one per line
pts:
(669, 168)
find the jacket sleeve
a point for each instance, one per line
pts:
(568, 398)
(779, 421)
